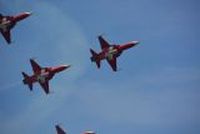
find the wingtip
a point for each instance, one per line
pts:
(115, 70)
(47, 92)
(101, 35)
(9, 42)
(32, 59)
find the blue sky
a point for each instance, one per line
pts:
(156, 90)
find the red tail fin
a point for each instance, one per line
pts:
(95, 58)
(27, 81)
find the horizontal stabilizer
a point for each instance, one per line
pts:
(94, 55)
(95, 58)
(27, 81)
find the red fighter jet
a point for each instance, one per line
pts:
(110, 52)
(8, 22)
(42, 75)
(59, 130)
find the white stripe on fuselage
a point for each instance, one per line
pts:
(4, 24)
(42, 77)
(111, 52)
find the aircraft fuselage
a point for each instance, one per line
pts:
(45, 74)
(114, 50)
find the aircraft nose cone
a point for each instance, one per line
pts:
(66, 66)
(135, 42)
(28, 13)
(89, 132)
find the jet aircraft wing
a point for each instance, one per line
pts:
(103, 42)
(45, 86)
(6, 35)
(59, 130)
(113, 63)
(36, 68)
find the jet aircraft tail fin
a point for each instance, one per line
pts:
(94, 55)
(27, 81)
(95, 58)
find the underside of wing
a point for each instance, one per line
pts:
(7, 36)
(45, 86)
(59, 130)
(103, 42)
(36, 68)
(113, 63)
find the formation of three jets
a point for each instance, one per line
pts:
(42, 75)
(109, 52)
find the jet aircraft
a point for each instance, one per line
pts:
(110, 52)
(42, 75)
(59, 130)
(8, 22)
